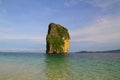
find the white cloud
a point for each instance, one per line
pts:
(105, 30)
(103, 3)
(20, 50)
(99, 3)
(34, 39)
(71, 2)
(5, 29)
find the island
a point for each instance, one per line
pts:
(57, 39)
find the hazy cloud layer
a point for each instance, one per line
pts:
(105, 31)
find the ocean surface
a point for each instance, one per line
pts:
(74, 66)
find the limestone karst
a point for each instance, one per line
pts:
(57, 39)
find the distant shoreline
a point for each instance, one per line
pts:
(107, 51)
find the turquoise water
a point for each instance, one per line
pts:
(75, 66)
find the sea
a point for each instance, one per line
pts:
(74, 66)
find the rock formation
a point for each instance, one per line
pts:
(57, 40)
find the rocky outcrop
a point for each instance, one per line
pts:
(58, 39)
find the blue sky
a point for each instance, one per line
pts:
(92, 24)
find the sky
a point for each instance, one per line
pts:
(93, 24)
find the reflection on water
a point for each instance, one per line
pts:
(57, 67)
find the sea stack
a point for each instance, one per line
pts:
(57, 39)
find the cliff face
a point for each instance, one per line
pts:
(58, 39)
